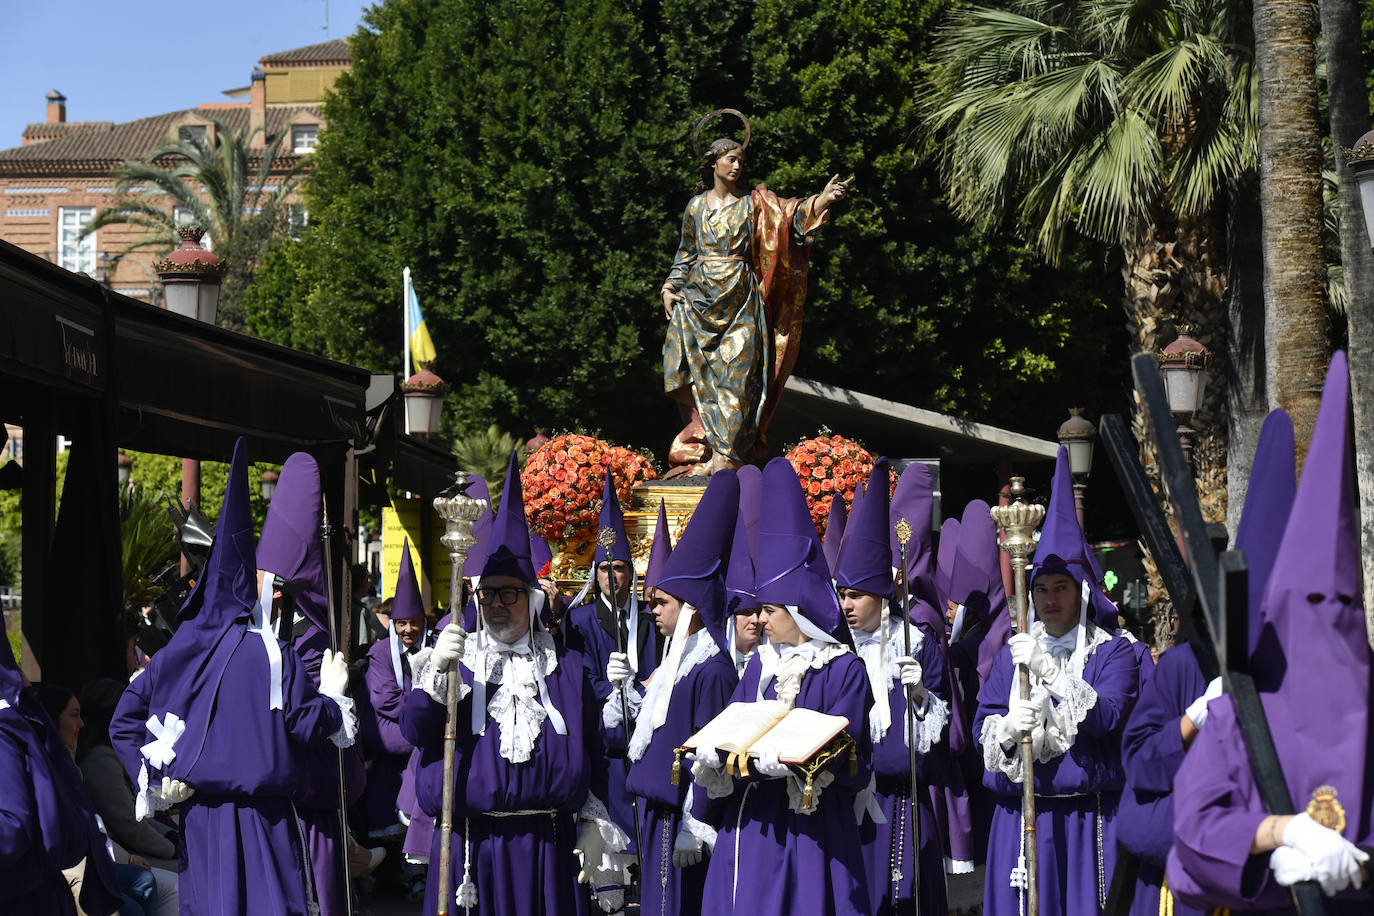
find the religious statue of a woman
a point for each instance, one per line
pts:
(734, 300)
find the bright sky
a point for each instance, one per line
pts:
(118, 60)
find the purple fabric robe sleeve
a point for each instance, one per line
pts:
(386, 698)
(1216, 814)
(310, 716)
(18, 817)
(128, 725)
(1152, 745)
(422, 718)
(711, 693)
(599, 775)
(847, 694)
(1117, 685)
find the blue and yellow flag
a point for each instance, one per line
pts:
(421, 346)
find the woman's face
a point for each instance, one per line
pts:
(779, 625)
(69, 724)
(730, 166)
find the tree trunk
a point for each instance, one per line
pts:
(1296, 317)
(1173, 276)
(1247, 396)
(1349, 108)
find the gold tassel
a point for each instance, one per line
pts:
(853, 761)
(677, 767)
(806, 794)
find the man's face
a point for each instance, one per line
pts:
(409, 631)
(863, 610)
(747, 629)
(504, 602)
(1056, 602)
(621, 570)
(667, 609)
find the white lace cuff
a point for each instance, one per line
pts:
(931, 728)
(613, 837)
(796, 791)
(418, 660)
(348, 730)
(1063, 718)
(435, 683)
(702, 831)
(996, 760)
(610, 710)
(714, 779)
(147, 802)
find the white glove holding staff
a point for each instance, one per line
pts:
(1313, 852)
(1025, 650)
(1197, 710)
(618, 669)
(448, 648)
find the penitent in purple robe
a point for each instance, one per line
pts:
(1152, 752)
(1076, 793)
(771, 860)
(697, 697)
(515, 820)
(887, 848)
(242, 851)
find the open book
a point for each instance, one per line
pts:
(767, 726)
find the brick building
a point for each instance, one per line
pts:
(53, 183)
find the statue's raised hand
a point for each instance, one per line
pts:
(835, 189)
(670, 299)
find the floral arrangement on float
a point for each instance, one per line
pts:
(562, 483)
(828, 464)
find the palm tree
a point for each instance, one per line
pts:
(242, 208)
(1125, 121)
(487, 453)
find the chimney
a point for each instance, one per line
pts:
(257, 110)
(57, 107)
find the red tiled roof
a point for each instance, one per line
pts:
(95, 147)
(333, 50)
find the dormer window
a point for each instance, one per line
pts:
(192, 133)
(304, 137)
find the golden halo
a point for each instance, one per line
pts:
(696, 134)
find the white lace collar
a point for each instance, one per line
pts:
(794, 661)
(521, 702)
(698, 647)
(1087, 637)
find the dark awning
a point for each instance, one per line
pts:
(52, 325)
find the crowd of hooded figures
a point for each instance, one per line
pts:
(574, 786)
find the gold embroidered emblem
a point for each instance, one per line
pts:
(1325, 808)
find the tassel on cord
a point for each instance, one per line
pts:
(807, 795)
(676, 778)
(466, 895)
(853, 761)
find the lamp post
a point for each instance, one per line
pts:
(1361, 160)
(125, 467)
(1183, 364)
(424, 396)
(1077, 434)
(191, 277)
(268, 484)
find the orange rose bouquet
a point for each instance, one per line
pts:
(827, 465)
(562, 483)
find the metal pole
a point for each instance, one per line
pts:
(330, 610)
(1018, 521)
(903, 529)
(459, 513)
(606, 538)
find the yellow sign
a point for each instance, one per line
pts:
(401, 520)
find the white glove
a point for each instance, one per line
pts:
(590, 847)
(174, 791)
(686, 850)
(448, 648)
(708, 757)
(1025, 650)
(911, 672)
(333, 674)
(767, 764)
(1290, 866)
(1022, 717)
(1335, 860)
(618, 669)
(1197, 710)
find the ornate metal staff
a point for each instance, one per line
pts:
(459, 512)
(326, 537)
(606, 538)
(903, 530)
(1018, 521)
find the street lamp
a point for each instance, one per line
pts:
(424, 396)
(125, 466)
(1077, 434)
(1361, 160)
(1183, 364)
(268, 483)
(191, 277)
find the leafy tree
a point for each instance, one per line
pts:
(147, 542)
(243, 208)
(529, 161)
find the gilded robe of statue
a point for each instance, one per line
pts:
(732, 340)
